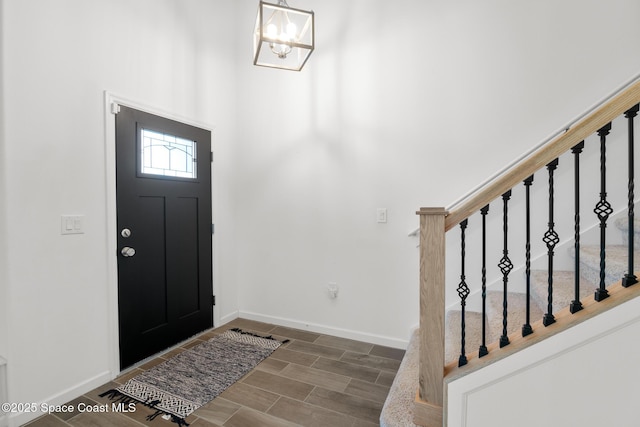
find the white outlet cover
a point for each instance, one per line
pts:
(382, 215)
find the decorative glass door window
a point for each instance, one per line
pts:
(167, 155)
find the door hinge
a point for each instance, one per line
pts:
(115, 108)
(212, 157)
(213, 229)
(213, 300)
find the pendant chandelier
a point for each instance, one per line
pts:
(283, 36)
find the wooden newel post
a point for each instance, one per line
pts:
(428, 408)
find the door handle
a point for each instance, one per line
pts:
(128, 252)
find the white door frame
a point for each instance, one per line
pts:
(111, 99)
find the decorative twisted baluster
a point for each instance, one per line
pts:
(526, 328)
(463, 292)
(551, 240)
(482, 351)
(505, 267)
(576, 305)
(603, 210)
(630, 278)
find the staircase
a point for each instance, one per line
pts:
(398, 409)
(450, 345)
(563, 294)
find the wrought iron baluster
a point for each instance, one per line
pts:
(603, 210)
(630, 278)
(526, 328)
(551, 239)
(505, 267)
(576, 305)
(483, 347)
(463, 292)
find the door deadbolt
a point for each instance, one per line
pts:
(128, 252)
(125, 232)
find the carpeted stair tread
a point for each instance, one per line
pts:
(563, 289)
(452, 337)
(516, 313)
(615, 263)
(622, 224)
(398, 407)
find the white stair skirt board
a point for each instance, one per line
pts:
(566, 374)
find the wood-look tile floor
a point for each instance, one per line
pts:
(312, 380)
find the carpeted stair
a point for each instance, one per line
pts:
(398, 408)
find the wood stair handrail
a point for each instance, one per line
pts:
(549, 152)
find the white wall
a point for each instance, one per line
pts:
(320, 151)
(3, 204)
(59, 58)
(403, 104)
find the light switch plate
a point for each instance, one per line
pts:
(72, 224)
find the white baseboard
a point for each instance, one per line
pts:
(328, 330)
(228, 318)
(61, 398)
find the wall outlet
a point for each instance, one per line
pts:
(332, 290)
(381, 215)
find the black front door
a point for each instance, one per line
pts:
(163, 182)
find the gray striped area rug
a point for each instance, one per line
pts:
(196, 376)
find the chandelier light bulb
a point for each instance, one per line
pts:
(281, 49)
(272, 30)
